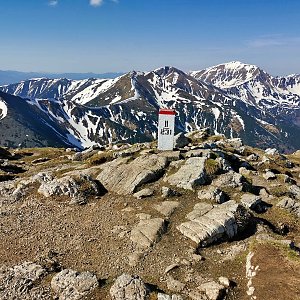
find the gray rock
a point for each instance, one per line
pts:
(70, 186)
(143, 193)
(294, 190)
(235, 142)
(199, 210)
(22, 282)
(128, 287)
(252, 202)
(199, 153)
(168, 192)
(271, 151)
(126, 178)
(224, 164)
(198, 134)
(167, 207)
(191, 174)
(224, 281)
(253, 157)
(174, 285)
(170, 155)
(72, 285)
(290, 205)
(269, 175)
(229, 180)
(148, 231)
(161, 296)
(213, 290)
(224, 221)
(180, 140)
(214, 194)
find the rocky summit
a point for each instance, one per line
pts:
(214, 219)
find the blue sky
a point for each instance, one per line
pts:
(123, 35)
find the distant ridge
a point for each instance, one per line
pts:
(9, 77)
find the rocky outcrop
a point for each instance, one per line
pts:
(224, 221)
(126, 178)
(290, 205)
(68, 186)
(19, 282)
(128, 287)
(190, 175)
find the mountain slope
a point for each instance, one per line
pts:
(24, 124)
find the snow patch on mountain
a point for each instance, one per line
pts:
(3, 109)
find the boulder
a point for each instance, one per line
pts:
(191, 174)
(214, 194)
(224, 221)
(253, 157)
(271, 151)
(161, 296)
(213, 290)
(294, 190)
(70, 186)
(143, 193)
(229, 180)
(129, 287)
(269, 175)
(253, 202)
(235, 142)
(199, 153)
(180, 140)
(71, 285)
(168, 192)
(148, 231)
(126, 178)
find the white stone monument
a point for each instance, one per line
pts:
(166, 122)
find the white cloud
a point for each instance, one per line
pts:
(53, 2)
(272, 40)
(96, 2)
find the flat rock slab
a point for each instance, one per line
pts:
(199, 210)
(222, 221)
(148, 231)
(125, 178)
(191, 174)
(167, 207)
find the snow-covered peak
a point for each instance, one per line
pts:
(168, 70)
(229, 74)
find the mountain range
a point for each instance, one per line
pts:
(235, 99)
(9, 77)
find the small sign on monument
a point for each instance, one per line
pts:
(166, 121)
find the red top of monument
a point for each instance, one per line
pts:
(166, 111)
